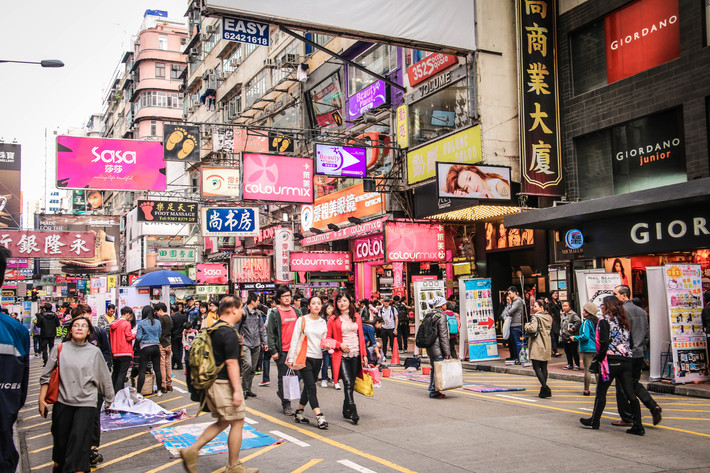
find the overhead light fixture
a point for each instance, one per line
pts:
(298, 236)
(333, 227)
(315, 230)
(355, 220)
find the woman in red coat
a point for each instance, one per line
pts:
(345, 326)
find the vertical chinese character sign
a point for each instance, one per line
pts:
(541, 162)
(283, 246)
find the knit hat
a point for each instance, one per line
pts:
(591, 308)
(438, 301)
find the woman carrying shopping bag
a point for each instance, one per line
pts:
(350, 354)
(312, 328)
(538, 333)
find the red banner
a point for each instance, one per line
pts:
(430, 65)
(48, 244)
(640, 36)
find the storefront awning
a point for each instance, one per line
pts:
(475, 214)
(574, 214)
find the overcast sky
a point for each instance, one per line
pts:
(90, 38)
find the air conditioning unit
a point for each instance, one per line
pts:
(207, 73)
(211, 29)
(288, 60)
(270, 63)
(235, 62)
(194, 53)
(223, 75)
(183, 41)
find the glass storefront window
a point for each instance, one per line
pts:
(593, 165)
(380, 60)
(327, 102)
(439, 114)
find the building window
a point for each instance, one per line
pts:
(153, 128)
(152, 98)
(326, 100)
(588, 57)
(256, 88)
(280, 74)
(176, 71)
(163, 42)
(248, 49)
(159, 70)
(439, 114)
(380, 60)
(321, 39)
(234, 107)
(644, 153)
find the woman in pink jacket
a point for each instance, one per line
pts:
(122, 337)
(345, 326)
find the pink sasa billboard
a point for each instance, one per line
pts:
(273, 178)
(108, 164)
(409, 241)
(333, 261)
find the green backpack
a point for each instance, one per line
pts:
(203, 370)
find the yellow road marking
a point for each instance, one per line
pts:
(329, 441)
(167, 465)
(168, 400)
(32, 417)
(38, 436)
(684, 418)
(129, 455)
(253, 455)
(665, 409)
(36, 425)
(311, 463)
(544, 406)
(181, 382)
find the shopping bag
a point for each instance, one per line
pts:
(53, 389)
(374, 373)
(296, 356)
(147, 384)
(506, 328)
(364, 385)
(292, 390)
(448, 374)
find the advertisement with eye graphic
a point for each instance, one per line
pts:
(220, 183)
(466, 181)
(181, 143)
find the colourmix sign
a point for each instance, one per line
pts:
(408, 241)
(274, 178)
(333, 261)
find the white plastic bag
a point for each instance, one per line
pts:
(292, 390)
(448, 374)
(506, 327)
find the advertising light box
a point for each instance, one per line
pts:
(273, 178)
(341, 161)
(465, 181)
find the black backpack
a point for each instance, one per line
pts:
(428, 332)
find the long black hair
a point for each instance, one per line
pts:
(351, 307)
(147, 313)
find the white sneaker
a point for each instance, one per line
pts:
(324, 384)
(337, 386)
(159, 394)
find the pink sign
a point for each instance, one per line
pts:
(373, 226)
(251, 269)
(333, 261)
(211, 273)
(369, 248)
(274, 178)
(408, 241)
(48, 244)
(108, 164)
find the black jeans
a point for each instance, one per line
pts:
(387, 334)
(96, 434)
(619, 369)
(349, 368)
(282, 369)
(572, 353)
(540, 368)
(554, 337)
(46, 345)
(36, 344)
(622, 403)
(149, 354)
(72, 430)
(120, 370)
(309, 373)
(177, 353)
(403, 336)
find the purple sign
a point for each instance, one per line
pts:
(371, 96)
(341, 161)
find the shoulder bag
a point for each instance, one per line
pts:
(53, 391)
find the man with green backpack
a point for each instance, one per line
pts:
(215, 358)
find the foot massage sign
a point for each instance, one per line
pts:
(108, 164)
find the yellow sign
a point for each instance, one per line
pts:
(111, 282)
(463, 147)
(402, 126)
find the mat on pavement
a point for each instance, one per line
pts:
(410, 376)
(181, 436)
(127, 420)
(482, 388)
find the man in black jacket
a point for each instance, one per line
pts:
(47, 323)
(179, 319)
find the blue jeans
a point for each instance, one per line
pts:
(324, 368)
(515, 334)
(432, 391)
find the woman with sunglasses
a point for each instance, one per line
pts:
(83, 375)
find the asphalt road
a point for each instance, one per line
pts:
(401, 429)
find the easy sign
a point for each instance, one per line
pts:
(243, 31)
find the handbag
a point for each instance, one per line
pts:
(533, 336)
(364, 385)
(594, 366)
(375, 373)
(448, 374)
(412, 362)
(298, 358)
(147, 384)
(292, 390)
(53, 390)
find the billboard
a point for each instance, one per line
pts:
(498, 237)
(429, 67)
(181, 143)
(220, 183)
(335, 208)
(10, 182)
(48, 244)
(254, 141)
(86, 201)
(211, 273)
(107, 229)
(274, 178)
(465, 181)
(371, 96)
(251, 269)
(332, 261)
(410, 241)
(341, 161)
(463, 147)
(109, 164)
(230, 221)
(639, 36)
(167, 211)
(369, 248)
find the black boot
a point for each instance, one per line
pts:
(346, 410)
(353, 414)
(589, 422)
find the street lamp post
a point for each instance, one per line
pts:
(43, 63)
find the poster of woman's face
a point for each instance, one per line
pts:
(499, 238)
(466, 181)
(621, 266)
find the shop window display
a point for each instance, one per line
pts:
(498, 237)
(439, 114)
